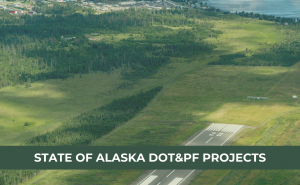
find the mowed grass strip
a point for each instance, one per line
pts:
(252, 113)
(88, 177)
(206, 177)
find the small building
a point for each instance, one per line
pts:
(68, 38)
(13, 11)
(257, 98)
(197, 5)
(294, 96)
(127, 3)
(286, 23)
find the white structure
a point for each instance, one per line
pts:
(257, 98)
(286, 23)
(294, 96)
(197, 5)
(127, 3)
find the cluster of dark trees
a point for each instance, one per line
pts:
(227, 59)
(267, 17)
(285, 55)
(32, 47)
(84, 129)
(91, 125)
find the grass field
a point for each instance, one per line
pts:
(252, 113)
(47, 104)
(282, 131)
(200, 94)
(182, 110)
(279, 131)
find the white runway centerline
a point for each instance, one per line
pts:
(170, 173)
(209, 140)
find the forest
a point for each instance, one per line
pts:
(42, 47)
(267, 17)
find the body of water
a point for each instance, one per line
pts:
(279, 8)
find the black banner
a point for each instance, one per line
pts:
(150, 157)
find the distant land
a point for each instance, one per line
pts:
(280, 8)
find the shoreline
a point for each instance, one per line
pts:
(234, 11)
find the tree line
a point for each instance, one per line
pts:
(84, 129)
(284, 54)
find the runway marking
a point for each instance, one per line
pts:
(158, 183)
(170, 173)
(146, 178)
(240, 126)
(220, 134)
(213, 127)
(149, 180)
(185, 177)
(231, 128)
(209, 140)
(175, 181)
(195, 137)
(221, 128)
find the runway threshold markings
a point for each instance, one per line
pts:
(175, 181)
(146, 177)
(149, 180)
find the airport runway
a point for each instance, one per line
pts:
(217, 134)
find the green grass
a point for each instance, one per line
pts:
(181, 110)
(247, 33)
(200, 94)
(210, 177)
(279, 131)
(252, 114)
(89, 177)
(48, 104)
(282, 131)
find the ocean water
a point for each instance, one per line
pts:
(279, 8)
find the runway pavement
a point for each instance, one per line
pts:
(217, 134)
